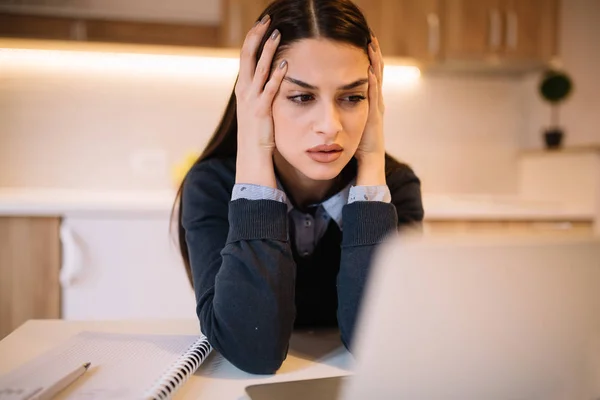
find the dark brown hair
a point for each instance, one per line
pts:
(338, 20)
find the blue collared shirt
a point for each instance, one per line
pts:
(309, 229)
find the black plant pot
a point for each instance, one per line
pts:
(553, 138)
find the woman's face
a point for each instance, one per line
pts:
(322, 101)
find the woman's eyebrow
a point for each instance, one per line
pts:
(305, 85)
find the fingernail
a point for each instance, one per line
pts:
(255, 24)
(275, 34)
(283, 64)
(265, 19)
(371, 69)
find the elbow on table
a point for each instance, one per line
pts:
(254, 354)
(257, 365)
(259, 357)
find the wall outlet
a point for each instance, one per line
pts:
(149, 163)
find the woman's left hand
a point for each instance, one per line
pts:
(371, 150)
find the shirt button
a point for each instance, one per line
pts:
(305, 253)
(307, 222)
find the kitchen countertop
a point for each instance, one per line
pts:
(77, 202)
(67, 202)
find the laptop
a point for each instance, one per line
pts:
(472, 317)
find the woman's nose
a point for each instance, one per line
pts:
(329, 122)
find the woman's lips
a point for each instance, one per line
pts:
(325, 153)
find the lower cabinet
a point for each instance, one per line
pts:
(90, 268)
(30, 256)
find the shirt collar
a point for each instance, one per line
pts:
(333, 206)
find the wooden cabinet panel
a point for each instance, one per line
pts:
(405, 28)
(238, 17)
(530, 29)
(472, 28)
(109, 31)
(29, 270)
(511, 30)
(36, 27)
(418, 31)
(437, 33)
(374, 11)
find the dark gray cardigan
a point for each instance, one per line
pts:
(251, 286)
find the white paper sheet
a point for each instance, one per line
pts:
(124, 366)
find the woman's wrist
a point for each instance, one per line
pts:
(255, 168)
(371, 170)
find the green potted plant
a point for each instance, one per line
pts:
(555, 87)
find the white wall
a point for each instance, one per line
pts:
(580, 57)
(79, 129)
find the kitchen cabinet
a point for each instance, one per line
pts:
(29, 270)
(238, 16)
(472, 29)
(436, 34)
(123, 267)
(90, 29)
(181, 22)
(500, 30)
(406, 28)
(531, 29)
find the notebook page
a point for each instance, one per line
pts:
(123, 366)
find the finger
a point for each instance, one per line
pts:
(377, 63)
(376, 59)
(380, 57)
(373, 93)
(272, 87)
(263, 67)
(249, 49)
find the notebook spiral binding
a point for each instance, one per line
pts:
(180, 372)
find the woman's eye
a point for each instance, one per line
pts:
(301, 98)
(354, 98)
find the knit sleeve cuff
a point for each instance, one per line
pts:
(368, 222)
(256, 192)
(257, 219)
(370, 193)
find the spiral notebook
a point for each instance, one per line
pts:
(124, 366)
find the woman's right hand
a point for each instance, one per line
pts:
(255, 136)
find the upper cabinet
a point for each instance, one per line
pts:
(504, 30)
(432, 33)
(405, 28)
(157, 22)
(238, 16)
(472, 28)
(470, 33)
(531, 29)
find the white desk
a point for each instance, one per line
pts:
(311, 355)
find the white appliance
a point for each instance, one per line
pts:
(122, 267)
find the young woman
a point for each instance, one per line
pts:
(281, 215)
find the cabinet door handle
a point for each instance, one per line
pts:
(512, 30)
(78, 30)
(72, 258)
(433, 24)
(495, 29)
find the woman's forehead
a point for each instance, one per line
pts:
(325, 59)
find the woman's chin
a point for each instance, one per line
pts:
(322, 172)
